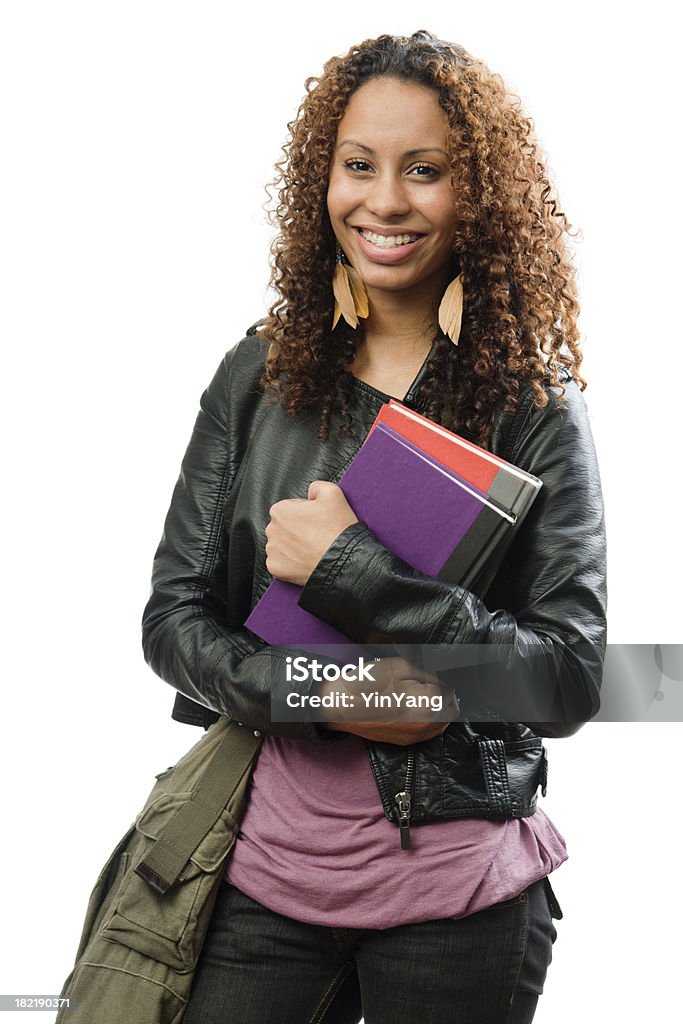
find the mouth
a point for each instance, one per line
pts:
(386, 240)
(388, 248)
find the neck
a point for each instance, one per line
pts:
(401, 324)
(399, 321)
(396, 339)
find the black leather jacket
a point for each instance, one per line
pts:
(246, 453)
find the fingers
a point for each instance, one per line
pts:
(321, 488)
(401, 669)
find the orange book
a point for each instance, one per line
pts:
(509, 488)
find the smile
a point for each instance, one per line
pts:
(388, 248)
(387, 241)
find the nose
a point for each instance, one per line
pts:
(387, 197)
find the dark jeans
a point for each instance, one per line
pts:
(259, 967)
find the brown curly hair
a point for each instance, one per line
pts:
(520, 316)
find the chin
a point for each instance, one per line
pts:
(389, 281)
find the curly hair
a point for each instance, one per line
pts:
(520, 315)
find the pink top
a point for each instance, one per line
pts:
(315, 845)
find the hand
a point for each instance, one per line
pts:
(394, 675)
(403, 734)
(301, 530)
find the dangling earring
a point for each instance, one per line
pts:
(450, 310)
(350, 296)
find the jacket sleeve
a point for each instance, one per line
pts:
(549, 640)
(185, 636)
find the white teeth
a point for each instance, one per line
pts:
(387, 241)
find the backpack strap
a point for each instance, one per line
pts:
(180, 837)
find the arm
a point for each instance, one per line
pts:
(553, 581)
(185, 636)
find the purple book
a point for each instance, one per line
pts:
(415, 506)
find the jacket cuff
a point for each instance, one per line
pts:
(327, 590)
(372, 596)
(267, 692)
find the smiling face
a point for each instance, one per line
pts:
(390, 199)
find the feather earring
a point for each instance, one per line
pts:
(450, 310)
(350, 297)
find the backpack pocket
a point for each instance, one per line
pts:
(170, 927)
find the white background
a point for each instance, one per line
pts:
(137, 138)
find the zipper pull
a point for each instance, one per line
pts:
(403, 801)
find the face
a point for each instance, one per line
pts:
(390, 198)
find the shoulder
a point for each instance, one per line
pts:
(561, 423)
(244, 362)
(234, 394)
(565, 402)
(241, 366)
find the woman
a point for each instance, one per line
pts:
(410, 166)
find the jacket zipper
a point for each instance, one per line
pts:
(404, 801)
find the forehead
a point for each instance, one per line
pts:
(392, 111)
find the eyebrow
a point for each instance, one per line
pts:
(408, 152)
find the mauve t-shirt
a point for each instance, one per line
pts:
(314, 845)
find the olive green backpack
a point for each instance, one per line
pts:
(148, 914)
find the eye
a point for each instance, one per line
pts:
(359, 166)
(432, 171)
(351, 163)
